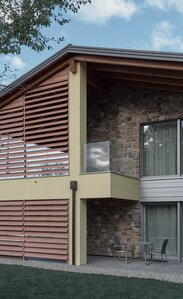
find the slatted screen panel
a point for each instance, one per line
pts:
(34, 229)
(46, 229)
(34, 133)
(11, 228)
(12, 140)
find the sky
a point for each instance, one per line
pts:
(127, 24)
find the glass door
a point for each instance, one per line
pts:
(161, 223)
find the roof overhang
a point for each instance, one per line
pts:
(162, 70)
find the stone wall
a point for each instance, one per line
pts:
(117, 115)
(109, 217)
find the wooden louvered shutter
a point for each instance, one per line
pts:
(35, 141)
(12, 140)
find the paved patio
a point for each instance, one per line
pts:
(171, 271)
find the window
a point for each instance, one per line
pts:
(159, 226)
(160, 151)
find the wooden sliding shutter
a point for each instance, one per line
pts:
(46, 229)
(34, 229)
(34, 132)
(11, 228)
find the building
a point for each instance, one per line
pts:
(91, 146)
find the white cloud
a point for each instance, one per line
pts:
(165, 38)
(16, 62)
(100, 11)
(166, 4)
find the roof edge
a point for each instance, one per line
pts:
(97, 51)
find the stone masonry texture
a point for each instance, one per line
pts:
(117, 116)
(108, 218)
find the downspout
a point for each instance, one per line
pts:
(73, 187)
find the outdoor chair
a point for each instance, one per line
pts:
(159, 251)
(121, 250)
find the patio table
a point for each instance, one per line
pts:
(146, 248)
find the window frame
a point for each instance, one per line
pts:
(179, 159)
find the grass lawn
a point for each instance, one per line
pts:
(24, 282)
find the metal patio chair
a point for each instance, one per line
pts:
(122, 250)
(159, 251)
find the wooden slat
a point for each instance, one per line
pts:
(13, 208)
(41, 224)
(45, 108)
(39, 163)
(11, 233)
(54, 112)
(51, 218)
(11, 244)
(42, 229)
(49, 128)
(46, 250)
(35, 98)
(56, 132)
(11, 218)
(11, 203)
(6, 213)
(48, 119)
(40, 88)
(56, 98)
(44, 208)
(30, 245)
(45, 125)
(54, 203)
(11, 239)
(46, 213)
(63, 241)
(12, 116)
(46, 234)
(10, 253)
(29, 168)
(11, 228)
(46, 92)
(10, 111)
(46, 256)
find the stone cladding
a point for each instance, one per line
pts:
(117, 115)
(109, 217)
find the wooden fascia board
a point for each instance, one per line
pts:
(141, 63)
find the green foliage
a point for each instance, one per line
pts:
(22, 21)
(29, 283)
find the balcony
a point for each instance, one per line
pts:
(96, 157)
(99, 178)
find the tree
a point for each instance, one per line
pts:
(22, 21)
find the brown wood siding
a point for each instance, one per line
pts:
(34, 229)
(34, 131)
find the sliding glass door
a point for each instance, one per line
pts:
(161, 223)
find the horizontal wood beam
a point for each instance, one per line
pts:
(151, 85)
(136, 71)
(140, 78)
(142, 63)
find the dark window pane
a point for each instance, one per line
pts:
(160, 149)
